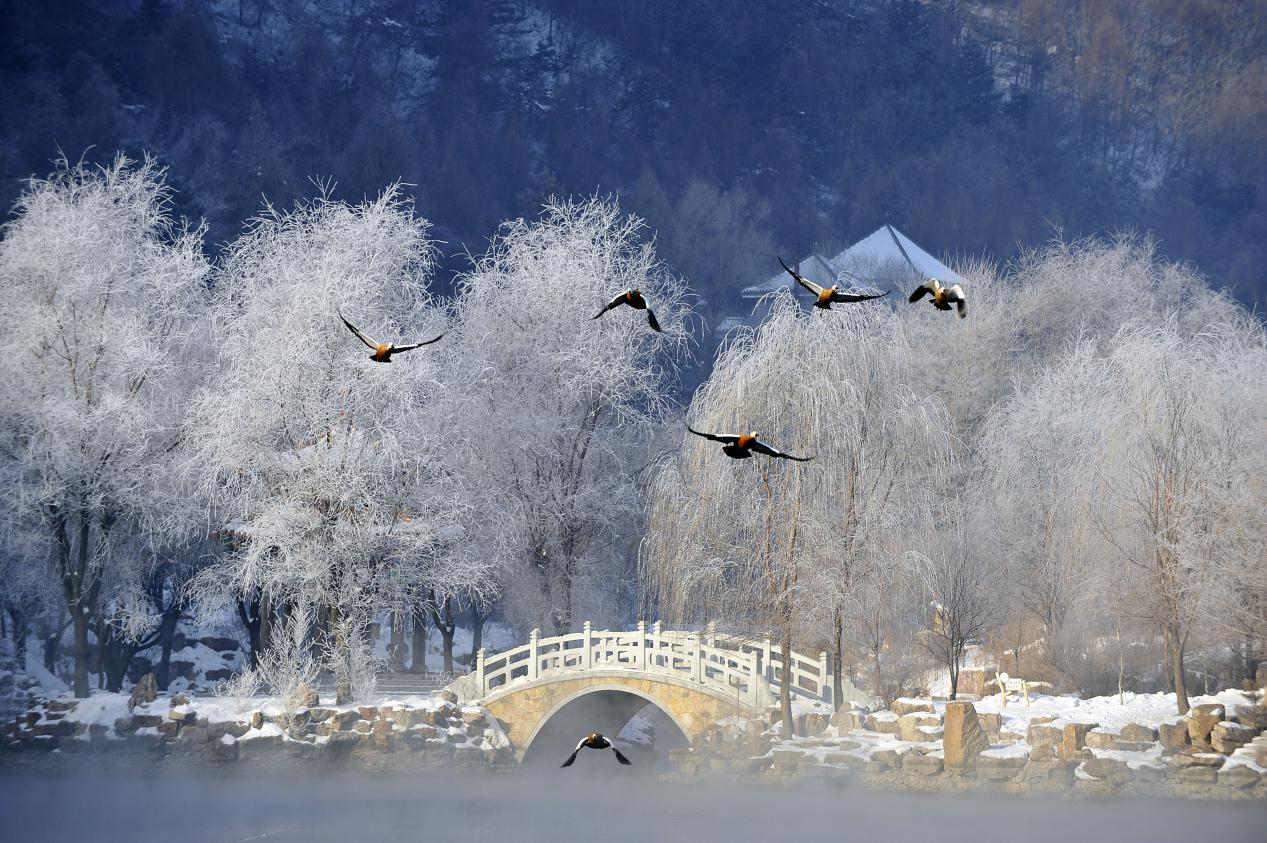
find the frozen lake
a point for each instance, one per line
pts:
(591, 801)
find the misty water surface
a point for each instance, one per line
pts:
(590, 801)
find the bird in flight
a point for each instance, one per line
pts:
(634, 299)
(827, 295)
(739, 446)
(383, 351)
(943, 297)
(594, 741)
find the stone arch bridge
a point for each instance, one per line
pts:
(603, 677)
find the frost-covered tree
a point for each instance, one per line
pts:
(1178, 479)
(552, 405)
(102, 292)
(1036, 478)
(765, 543)
(326, 467)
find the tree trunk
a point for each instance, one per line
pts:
(396, 642)
(1175, 645)
(785, 686)
(442, 619)
(79, 621)
(342, 659)
(477, 631)
(837, 680)
(876, 669)
(52, 646)
(166, 636)
(446, 635)
(249, 614)
(418, 643)
(954, 673)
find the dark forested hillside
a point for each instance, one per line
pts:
(737, 130)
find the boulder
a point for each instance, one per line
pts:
(1201, 724)
(922, 765)
(885, 722)
(909, 725)
(220, 644)
(999, 769)
(1108, 769)
(346, 719)
(1239, 776)
(145, 691)
(991, 721)
(320, 715)
(1074, 740)
(1099, 739)
(1136, 732)
(367, 712)
(886, 759)
(56, 705)
(963, 738)
(1132, 746)
(1228, 736)
(1193, 757)
(1044, 734)
(849, 720)
(1173, 736)
(257, 719)
(146, 721)
(218, 674)
(1045, 752)
(910, 706)
(447, 695)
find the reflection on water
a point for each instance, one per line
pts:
(589, 801)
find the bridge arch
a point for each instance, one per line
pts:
(604, 707)
(696, 678)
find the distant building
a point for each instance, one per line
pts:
(884, 260)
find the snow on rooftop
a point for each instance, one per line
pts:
(886, 259)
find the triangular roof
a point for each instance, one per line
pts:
(885, 259)
(888, 259)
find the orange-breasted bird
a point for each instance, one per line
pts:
(383, 351)
(739, 446)
(634, 299)
(943, 297)
(594, 741)
(826, 295)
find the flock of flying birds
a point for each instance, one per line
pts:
(739, 446)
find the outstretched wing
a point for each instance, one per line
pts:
(802, 280)
(923, 289)
(396, 349)
(851, 297)
(762, 448)
(359, 333)
(572, 757)
(651, 320)
(616, 302)
(957, 295)
(726, 438)
(622, 759)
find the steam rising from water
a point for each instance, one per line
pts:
(590, 801)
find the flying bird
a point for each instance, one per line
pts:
(943, 297)
(383, 351)
(827, 295)
(739, 446)
(594, 741)
(634, 299)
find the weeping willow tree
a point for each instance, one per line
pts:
(774, 546)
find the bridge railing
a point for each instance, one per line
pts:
(749, 671)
